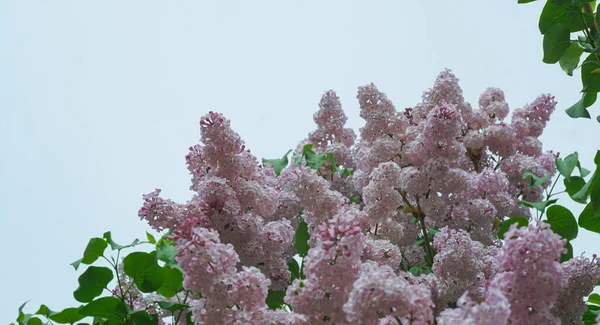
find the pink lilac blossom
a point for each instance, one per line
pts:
(210, 269)
(581, 276)
(331, 267)
(379, 292)
(458, 264)
(439, 164)
(314, 194)
(493, 310)
(236, 197)
(529, 274)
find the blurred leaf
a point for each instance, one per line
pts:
(590, 81)
(579, 109)
(173, 283)
(589, 317)
(142, 317)
(418, 270)
(569, 254)
(556, 42)
(568, 15)
(294, 269)
(275, 299)
(151, 238)
(570, 59)
(92, 282)
(94, 250)
(171, 306)
(278, 164)
(584, 192)
(536, 181)
(594, 298)
(595, 186)
(566, 166)
(166, 252)
(65, 316)
(562, 221)
(540, 206)
(302, 236)
(34, 321)
(313, 160)
(574, 185)
(108, 236)
(111, 308)
(589, 221)
(144, 270)
(520, 221)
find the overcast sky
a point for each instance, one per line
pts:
(100, 100)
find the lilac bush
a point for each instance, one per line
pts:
(426, 218)
(403, 221)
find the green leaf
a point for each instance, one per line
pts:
(275, 299)
(595, 186)
(589, 78)
(76, 264)
(520, 221)
(144, 270)
(44, 311)
(562, 221)
(34, 321)
(584, 192)
(143, 318)
(294, 269)
(525, 1)
(298, 160)
(92, 282)
(171, 306)
(418, 270)
(570, 59)
(567, 166)
(536, 181)
(114, 246)
(151, 238)
(579, 109)
(540, 206)
(574, 185)
(594, 298)
(589, 317)
(556, 42)
(589, 221)
(313, 160)
(166, 252)
(94, 250)
(278, 164)
(307, 147)
(585, 45)
(111, 308)
(188, 318)
(302, 236)
(173, 283)
(347, 172)
(569, 254)
(568, 15)
(65, 316)
(582, 171)
(21, 316)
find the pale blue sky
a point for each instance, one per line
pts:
(100, 100)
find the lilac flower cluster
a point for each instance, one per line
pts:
(410, 237)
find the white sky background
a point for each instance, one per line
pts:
(99, 101)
